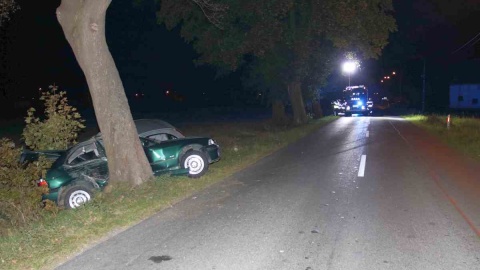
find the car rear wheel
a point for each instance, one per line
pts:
(196, 162)
(77, 196)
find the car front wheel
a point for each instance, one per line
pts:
(76, 196)
(196, 162)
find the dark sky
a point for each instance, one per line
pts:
(430, 30)
(151, 59)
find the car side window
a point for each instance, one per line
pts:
(83, 154)
(161, 137)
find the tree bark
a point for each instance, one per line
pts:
(317, 109)
(83, 23)
(295, 94)
(278, 113)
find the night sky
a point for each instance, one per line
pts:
(152, 60)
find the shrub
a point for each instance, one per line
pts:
(60, 127)
(20, 198)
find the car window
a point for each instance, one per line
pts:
(146, 143)
(82, 154)
(160, 137)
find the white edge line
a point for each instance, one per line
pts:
(361, 170)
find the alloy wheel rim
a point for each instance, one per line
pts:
(194, 163)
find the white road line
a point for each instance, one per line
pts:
(368, 133)
(361, 170)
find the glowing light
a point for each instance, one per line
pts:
(381, 81)
(349, 67)
(393, 73)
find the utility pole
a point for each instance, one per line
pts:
(423, 88)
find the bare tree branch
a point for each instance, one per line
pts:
(7, 7)
(214, 12)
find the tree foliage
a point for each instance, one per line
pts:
(7, 7)
(20, 198)
(295, 41)
(255, 27)
(243, 28)
(60, 127)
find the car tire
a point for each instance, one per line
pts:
(197, 163)
(77, 196)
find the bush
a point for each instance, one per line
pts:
(60, 127)
(20, 198)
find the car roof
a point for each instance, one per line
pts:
(147, 127)
(144, 125)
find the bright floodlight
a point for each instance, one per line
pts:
(349, 67)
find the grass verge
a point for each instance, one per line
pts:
(463, 134)
(57, 236)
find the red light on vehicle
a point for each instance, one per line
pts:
(42, 183)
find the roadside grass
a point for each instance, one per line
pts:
(60, 235)
(463, 134)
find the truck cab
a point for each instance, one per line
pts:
(357, 100)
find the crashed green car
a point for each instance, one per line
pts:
(77, 172)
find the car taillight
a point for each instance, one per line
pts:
(42, 183)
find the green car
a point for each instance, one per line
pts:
(83, 168)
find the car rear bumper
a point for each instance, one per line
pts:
(52, 195)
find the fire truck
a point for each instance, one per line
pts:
(355, 100)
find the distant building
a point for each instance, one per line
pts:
(464, 96)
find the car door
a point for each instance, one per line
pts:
(161, 155)
(88, 162)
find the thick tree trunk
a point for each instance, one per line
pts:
(295, 94)
(83, 23)
(278, 113)
(317, 109)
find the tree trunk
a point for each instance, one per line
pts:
(83, 23)
(295, 93)
(317, 109)
(278, 113)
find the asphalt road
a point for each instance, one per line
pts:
(360, 193)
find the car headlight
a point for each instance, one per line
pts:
(211, 142)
